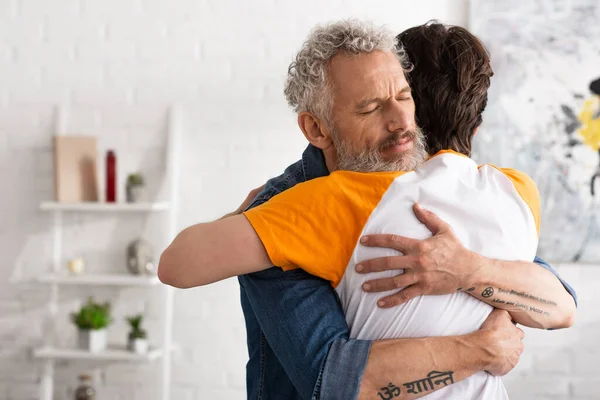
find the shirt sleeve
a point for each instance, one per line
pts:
(316, 225)
(528, 191)
(293, 228)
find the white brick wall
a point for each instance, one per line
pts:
(119, 64)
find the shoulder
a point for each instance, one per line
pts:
(525, 187)
(520, 180)
(303, 193)
(517, 176)
(290, 178)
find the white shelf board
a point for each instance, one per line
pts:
(105, 207)
(100, 279)
(110, 354)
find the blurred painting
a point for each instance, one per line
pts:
(75, 178)
(543, 114)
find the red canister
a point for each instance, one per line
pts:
(111, 177)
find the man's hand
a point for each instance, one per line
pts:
(253, 193)
(437, 265)
(505, 342)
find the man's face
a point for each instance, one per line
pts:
(373, 114)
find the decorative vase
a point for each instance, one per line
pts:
(134, 193)
(111, 177)
(138, 346)
(85, 390)
(140, 257)
(93, 340)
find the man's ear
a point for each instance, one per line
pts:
(315, 130)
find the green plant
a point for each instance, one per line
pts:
(92, 316)
(135, 323)
(135, 179)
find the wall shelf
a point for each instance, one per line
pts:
(100, 279)
(56, 277)
(110, 354)
(105, 207)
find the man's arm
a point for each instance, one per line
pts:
(533, 295)
(213, 251)
(442, 265)
(549, 268)
(456, 357)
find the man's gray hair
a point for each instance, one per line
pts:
(308, 87)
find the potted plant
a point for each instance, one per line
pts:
(92, 320)
(137, 340)
(135, 187)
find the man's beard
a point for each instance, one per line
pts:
(370, 159)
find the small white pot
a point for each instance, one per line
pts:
(92, 340)
(139, 346)
(76, 265)
(134, 193)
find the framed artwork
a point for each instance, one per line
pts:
(75, 175)
(543, 113)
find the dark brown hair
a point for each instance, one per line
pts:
(595, 87)
(449, 81)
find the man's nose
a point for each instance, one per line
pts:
(399, 119)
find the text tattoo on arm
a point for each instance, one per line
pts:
(489, 292)
(433, 379)
(527, 296)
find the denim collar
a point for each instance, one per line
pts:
(313, 163)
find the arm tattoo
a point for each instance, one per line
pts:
(521, 305)
(433, 379)
(527, 296)
(489, 292)
(429, 383)
(389, 392)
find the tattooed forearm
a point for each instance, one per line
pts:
(526, 295)
(430, 383)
